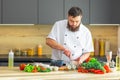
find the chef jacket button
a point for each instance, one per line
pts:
(72, 54)
(74, 46)
(64, 43)
(77, 37)
(82, 49)
(65, 34)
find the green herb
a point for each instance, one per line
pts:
(93, 63)
(28, 68)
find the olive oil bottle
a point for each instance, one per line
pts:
(118, 60)
(10, 59)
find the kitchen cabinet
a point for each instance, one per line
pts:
(25, 59)
(47, 12)
(115, 12)
(100, 12)
(50, 11)
(0, 12)
(19, 11)
(83, 4)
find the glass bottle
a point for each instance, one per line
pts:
(102, 47)
(10, 59)
(118, 60)
(39, 50)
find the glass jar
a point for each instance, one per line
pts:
(30, 52)
(24, 52)
(17, 52)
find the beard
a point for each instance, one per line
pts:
(73, 29)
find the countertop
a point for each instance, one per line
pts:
(25, 59)
(15, 74)
(43, 58)
(4, 58)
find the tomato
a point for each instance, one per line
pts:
(22, 66)
(106, 67)
(88, 59)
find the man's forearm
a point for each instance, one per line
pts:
(53, 44)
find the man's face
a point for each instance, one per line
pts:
(74, 22)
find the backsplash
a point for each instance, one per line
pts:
(30, 36)
(119, 36)
(23, 37)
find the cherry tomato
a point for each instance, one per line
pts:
(22, 66)
(88, 59)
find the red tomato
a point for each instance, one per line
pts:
(22, 66)
(106, 67)
(88, 59)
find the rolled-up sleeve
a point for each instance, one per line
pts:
(53, 32)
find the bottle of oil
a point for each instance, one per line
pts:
(39, 50)
(118, 60)
(102, 47)
(10, 59)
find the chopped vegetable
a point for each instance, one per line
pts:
(88, 59)
(106, 67)
(93, 64)
(22, 66)
(34, 68)
(29, 68)
(43, 69)
(81, 69)
(38, 69)
(98, 72)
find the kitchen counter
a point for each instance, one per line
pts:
(24, 59)
(28, 59)
(15, 74)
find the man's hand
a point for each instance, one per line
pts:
(67, 52)
(78, 60)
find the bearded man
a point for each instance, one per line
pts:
(70, 40)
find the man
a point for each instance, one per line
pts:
(69, 39)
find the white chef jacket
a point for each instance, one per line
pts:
(78, 42)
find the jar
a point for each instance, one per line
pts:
(24, 52)
(17, 52)
(30, 52)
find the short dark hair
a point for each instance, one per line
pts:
(74, 11)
